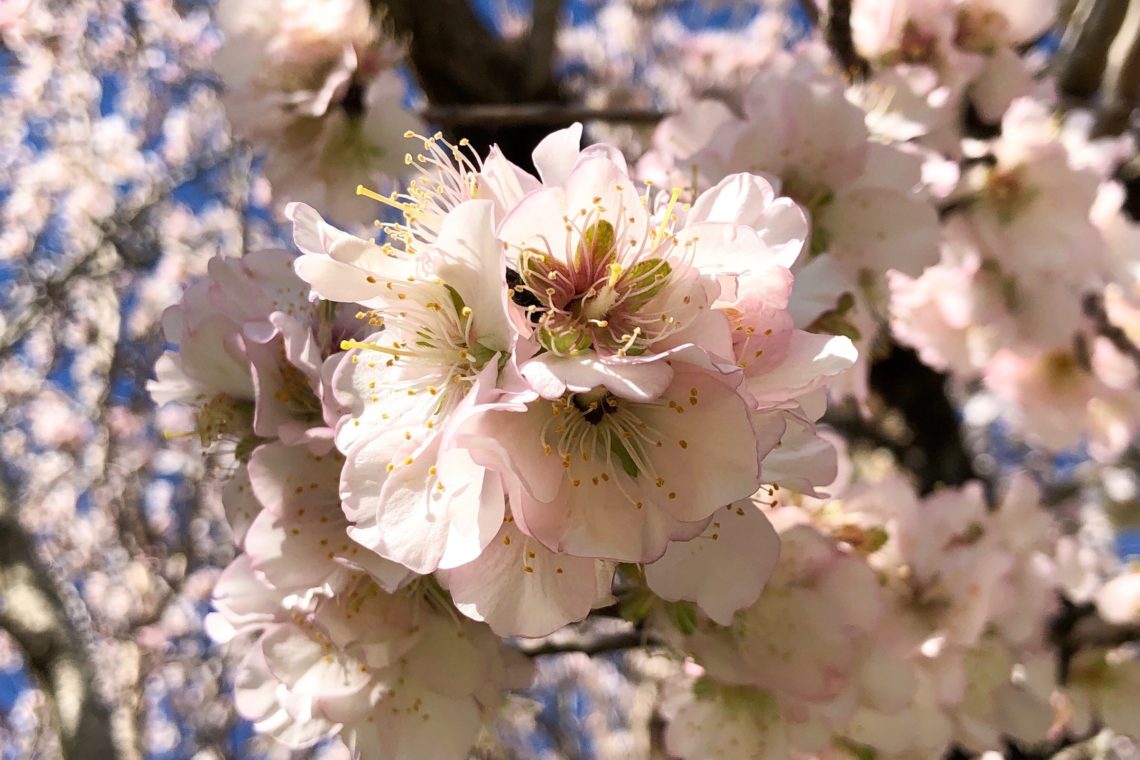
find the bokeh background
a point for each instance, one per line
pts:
(119, 179)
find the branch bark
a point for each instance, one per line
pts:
(837, 32)
(1084, 48)
(33, 613)
(1121, 77)
(460, 62)
(499, 116)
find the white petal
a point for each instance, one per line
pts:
(725, 568)
(556, 154)
(499, 588)
(552, 376)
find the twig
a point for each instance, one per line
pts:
(1094, 309)
(52, 288)
(535, 113)
(590, 643)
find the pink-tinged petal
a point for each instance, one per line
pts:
(446, 660)
(258, 697)
(509, 440)
(336, 281)
(596, 519)
(273, 283)
(240, 504)
(440, 508)
(293, 555)
(171, 382)
(413, 723)
(708, 455)
(212, 353)
(803, 460)
(810, 360)
(308, 667)
(373, 395)
(784, 229)
(721, 248)
(469, 258)
(552, 376)
(502, 181)
(865, 230)
(725, 568)
(243, 602)
(600, 180)
(314, 236)
(556, 154)
(536, 218)
(736, 199)
(287, 478)
(520, 588)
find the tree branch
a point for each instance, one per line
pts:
(505, 115)
(1121, 77)
(1084, 48)
(590, 637)
(459, 62)
(34, 615)
(837, 32)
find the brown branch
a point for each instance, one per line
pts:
(497, 116)
(33, 613)
(1094, 309)
(811, 10)
(540, 43)
(587, 643)
(1084, 48)
(1121, 77)
(460, 62)
(837, 32)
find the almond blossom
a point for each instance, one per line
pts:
(799, 130)
(969, 46)
(566, 406)
(313, 86)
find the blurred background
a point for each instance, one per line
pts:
(120, 176)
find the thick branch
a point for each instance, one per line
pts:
(33, 614)
(1121, 77)
(459, 61)
(1084, 48)
(934, 450)
(837, 32)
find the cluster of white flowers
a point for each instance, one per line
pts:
(531, 380)
(534, 396)
(313, 85)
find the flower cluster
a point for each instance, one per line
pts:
(314, 86)
(596, 389)
(897, 625)
(527, 381)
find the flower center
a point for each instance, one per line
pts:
(1007, 193)
(601, 294)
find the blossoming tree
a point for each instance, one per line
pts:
(776, 384)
